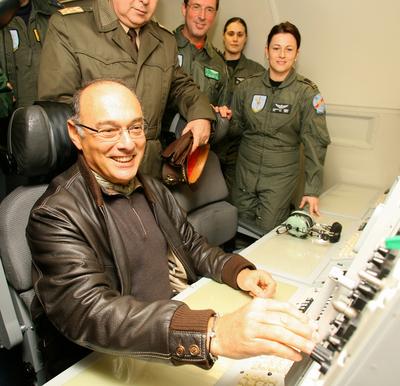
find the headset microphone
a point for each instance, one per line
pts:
(301, 224)
(325, 232)
(336, 230)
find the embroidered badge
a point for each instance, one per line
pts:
(180, 60)
(212, 74)
(15, 39)
(238, 80)
(258, 103)
(319, 104)
(281, 108)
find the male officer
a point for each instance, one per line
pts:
(21, 45)
(197, 56)
(116, 38)
(20, 49)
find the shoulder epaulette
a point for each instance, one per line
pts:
(74, 10)
(309, 82)
(163, 27)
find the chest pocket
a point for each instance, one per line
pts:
(209, 80)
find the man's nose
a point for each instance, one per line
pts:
(202, 13)
(126, 140)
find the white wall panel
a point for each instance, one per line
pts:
(351, 50)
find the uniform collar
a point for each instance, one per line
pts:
(289, 79)
(46, 7)
(105, 17)
(182, 42)
(107, 20)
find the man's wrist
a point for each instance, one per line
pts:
(212, 338)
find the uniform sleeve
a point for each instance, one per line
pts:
(315, 138)
(237, 124)
(223, 98)
(59, 75)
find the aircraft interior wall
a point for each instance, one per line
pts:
(349, 49)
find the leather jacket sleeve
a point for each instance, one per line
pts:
(80, 285)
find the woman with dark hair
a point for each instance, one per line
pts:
(235, 38)
(239, 68)
(274, 113)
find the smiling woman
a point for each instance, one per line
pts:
(275, 112)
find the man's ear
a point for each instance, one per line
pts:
(183, 9)
(74, 135)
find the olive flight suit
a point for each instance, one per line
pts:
(227, 148)
(20, 49)
(273, 122)
(206, 67)
(86, 41)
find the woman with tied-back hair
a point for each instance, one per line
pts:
(274, 113)
(239, 68)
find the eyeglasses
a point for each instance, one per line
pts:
(113, 134)
(197, 8)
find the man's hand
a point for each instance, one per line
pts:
(313, 204)
(257, 282)
(263, 327)
(224, 111)
(201, 129)
(9, 85)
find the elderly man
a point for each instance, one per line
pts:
(111, 247)
(116, 38)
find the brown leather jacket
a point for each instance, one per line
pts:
(81, 271)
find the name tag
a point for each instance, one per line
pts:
(281, 108)
(212, 74)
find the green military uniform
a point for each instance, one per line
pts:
(243, 69)
(20, 48)
(206, 67)
(227, 148)
(5, 96)
(86, 41)
(273, 122)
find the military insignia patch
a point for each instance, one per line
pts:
(319, 104)
(281, 108)
(238, 80)
(258, 103)
(180, 60)
(212, 74)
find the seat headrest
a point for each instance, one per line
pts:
(38, 143)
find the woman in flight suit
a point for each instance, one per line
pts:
(274, 112)
(239, 68)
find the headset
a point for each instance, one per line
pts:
(300, 224)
